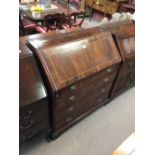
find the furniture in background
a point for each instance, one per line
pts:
(33, 101)
(105, 6)
(39, 15)
(126, 74)
(26, 26)
(53, 22)
(129, 7)
(75, 19)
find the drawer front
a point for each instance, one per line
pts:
(81, 93)
(30, 133)
(31, 115)
(70, 118)
(73, 108)
(33, 109)
(32, 121)
(77, 86)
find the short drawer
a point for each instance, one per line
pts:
(33, 109)
(30, 133)
(32, 121)
(81, 94)
(71, 117)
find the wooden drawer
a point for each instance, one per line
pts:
(73, 108)
(32, 121)
(71, 117)
(88, 81)
(33, 109)
(28, 134)
(81, 94)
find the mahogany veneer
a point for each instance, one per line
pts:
(79, 70)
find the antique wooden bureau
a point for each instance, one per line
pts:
(125, 79)
(79, 73)
(81, 69)
(33, 101)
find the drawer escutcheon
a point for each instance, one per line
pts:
(73, 87)
(72, 98)
(109, 70)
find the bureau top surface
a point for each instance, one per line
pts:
(68, 62)
(31, 88)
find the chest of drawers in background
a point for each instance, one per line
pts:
(125, 39)
(105, 6)
(33, 101)
(79, 73)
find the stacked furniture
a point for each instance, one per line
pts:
(33, 101)
(81, 69)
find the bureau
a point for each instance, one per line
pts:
(33, 101)
(79, 70)
(82, 69)
(125, 39)
(105, 6)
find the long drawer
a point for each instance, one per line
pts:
(31, 122)
(81, 94)
(70, 118)
(32, 114)
(75, 107)
(31, 110)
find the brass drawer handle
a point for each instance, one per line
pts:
(26, 116)
(102, 90)
(73, 87)
(68, 119)
(109, 70)
(28, 126)
(30, 135)
(72, 98)
(106, 80)
(70, 109)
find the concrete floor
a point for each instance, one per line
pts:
(98, 134)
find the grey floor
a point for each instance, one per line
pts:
(98, 134)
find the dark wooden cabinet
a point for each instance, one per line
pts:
(125, 39)
(33, 101)
(79, 69)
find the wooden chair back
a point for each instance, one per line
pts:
(77, 18)
(53, 21)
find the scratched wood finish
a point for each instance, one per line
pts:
(33, 101)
